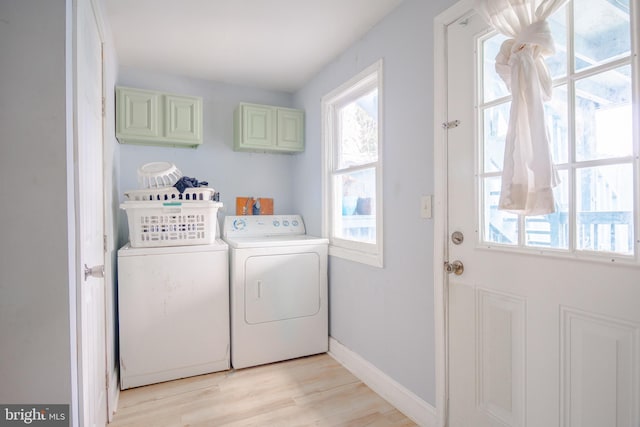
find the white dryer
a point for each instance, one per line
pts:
(278, 284)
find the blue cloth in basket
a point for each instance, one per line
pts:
(186, 182)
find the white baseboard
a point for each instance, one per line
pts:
(393, 392)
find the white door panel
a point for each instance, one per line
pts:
(534, 340)
(93, 407)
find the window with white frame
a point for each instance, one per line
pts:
(594, 144)
(352, 167)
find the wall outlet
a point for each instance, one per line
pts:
(425, 207)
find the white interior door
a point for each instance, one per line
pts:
(543, 330)
(93, 407)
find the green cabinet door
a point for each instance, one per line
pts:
(266, 128)
(137, 113)
(155, 118)
(290, 135)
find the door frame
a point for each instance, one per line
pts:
(440, 170)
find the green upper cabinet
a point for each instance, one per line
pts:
(266, 128)
(155, 118)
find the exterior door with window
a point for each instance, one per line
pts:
(544, 321)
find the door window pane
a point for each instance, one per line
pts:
(605, 208)
(556, 119)
(557, 63)
(603, 115)
(551, 231)
(355, 215)
(601, 31)
(496, 123)
(499, 226)
(493, 87)
(359, 131)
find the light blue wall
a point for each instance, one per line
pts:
(386, 315)
(231, 173)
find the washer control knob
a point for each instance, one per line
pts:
(276, 223)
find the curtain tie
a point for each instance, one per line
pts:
(531, 45)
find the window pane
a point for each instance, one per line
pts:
(602, 31)
(493, 85)
(605, 208)
(557, 64)
(551, 231)
(355, 199)
(496, 122)
(556, 112)
(603, 115)
(358, 125)
(499, 226)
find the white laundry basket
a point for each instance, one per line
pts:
(171, 223)
(158, 175)
(170, 194)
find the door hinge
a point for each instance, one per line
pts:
(104, 243)
(104, 108)
(451, 124)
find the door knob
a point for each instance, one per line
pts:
(95, 271)
(456, 267)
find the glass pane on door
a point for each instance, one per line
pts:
(557, 63)
(602, 31)
(552, 230)
(496, 123)
(557, 122)
(493, 85)
(603, 115)
(499, 226)
(605, 208)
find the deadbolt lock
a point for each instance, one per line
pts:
(457, 237)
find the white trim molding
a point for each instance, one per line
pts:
(440, 245)
(393, 392)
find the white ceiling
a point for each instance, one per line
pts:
(269, 44)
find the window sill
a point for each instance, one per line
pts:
(374, 260)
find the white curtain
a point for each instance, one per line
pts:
(528, 175)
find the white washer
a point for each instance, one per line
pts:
(278, 280)
(173, 305)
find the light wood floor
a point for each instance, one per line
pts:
(312, 391)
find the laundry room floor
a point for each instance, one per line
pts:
(311, 391)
